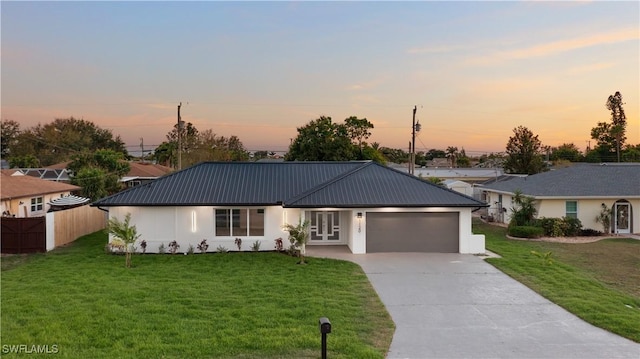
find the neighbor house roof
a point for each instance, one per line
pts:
(580, 180)
(145, 170)
(290, 184)
(27, 186)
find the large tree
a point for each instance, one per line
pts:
(611, 136)
(324, 140)
(321, 140)
(59, 140)
(524, 152)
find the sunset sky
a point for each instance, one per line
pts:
(259, 70)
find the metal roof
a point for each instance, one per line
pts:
(291, 184)
(581, 180)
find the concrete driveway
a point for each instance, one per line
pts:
(459, 306)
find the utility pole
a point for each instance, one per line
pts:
(410, 159)
(413, 142)
(179, 139)
(142, 148)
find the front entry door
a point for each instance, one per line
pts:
(622, 218)
(324, 226)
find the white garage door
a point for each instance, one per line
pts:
(413, 232)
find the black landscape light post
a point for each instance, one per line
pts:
(325, 328)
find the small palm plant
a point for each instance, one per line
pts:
(124, 232)
(299, 236)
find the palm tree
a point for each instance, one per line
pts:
(126, 233)
(299, 236)
(452, 154)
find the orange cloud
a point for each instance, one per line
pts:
(555, 47)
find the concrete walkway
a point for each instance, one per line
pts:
(459, 306)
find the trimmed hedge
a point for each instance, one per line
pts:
(526, 231)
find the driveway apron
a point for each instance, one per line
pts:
(459, 306)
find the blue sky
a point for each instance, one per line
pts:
(258, 70)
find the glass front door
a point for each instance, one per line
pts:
(622, 218)
(324, 226)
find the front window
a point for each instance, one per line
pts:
(36, 204)
(571, 209)
(239, 222)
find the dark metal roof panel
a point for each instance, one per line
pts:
(584, 180)
(231, 183)
(374, 185)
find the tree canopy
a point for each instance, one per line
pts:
(98, 173)
(199, 146)
(524, 152)
(324, 140)
(58, 141)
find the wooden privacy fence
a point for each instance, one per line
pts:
(41, 234)
(72, 223)
(23, 235)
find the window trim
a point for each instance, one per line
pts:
(233, 221)
(37, 202)
(566, 210)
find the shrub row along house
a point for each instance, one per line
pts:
(361, 204)
(580, 191)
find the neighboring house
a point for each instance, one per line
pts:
(143, 172)
(26, 196)
(361, 204)
(578, 191)
(459, 186)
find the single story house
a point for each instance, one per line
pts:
(143, 172)
(361, 204)
(27, 196)
(578, 191)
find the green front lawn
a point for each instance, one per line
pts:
(599, 282)
(233, 305)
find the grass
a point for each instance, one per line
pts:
(599, 282)
(233, 305)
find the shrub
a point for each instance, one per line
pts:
(203, 246)
(552, 227)
(560, 227)
(222, 249)
(173, 247)
(161, 249)
(238, 243)
(526, 231)
(588, 232)
(255, 246)
(572, 226)
(190, 250)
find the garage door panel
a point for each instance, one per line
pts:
(413, 232)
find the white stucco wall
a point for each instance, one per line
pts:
(190, 225)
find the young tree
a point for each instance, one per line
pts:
(524, 210)
(299, 236)
(126, 233)
(524, 152)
